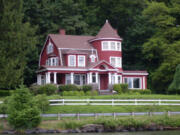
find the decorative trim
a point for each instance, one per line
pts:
(105, 39)
(135, 73)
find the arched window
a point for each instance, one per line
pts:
(49, 48)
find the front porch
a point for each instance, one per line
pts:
(101, 79)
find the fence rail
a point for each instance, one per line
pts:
(78, 115)
(114, 102)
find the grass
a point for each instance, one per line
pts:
(108, 109)
(122, 96)
(109, 122)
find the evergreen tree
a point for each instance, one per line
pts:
(16, 40)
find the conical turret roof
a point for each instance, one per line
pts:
(107, 32)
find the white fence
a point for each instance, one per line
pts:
(114, 102)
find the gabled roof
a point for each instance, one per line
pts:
(107, 32)
(71, 41)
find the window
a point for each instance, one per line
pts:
(72, 60)
(93, 78)
(79, 79)
(105, 45)
(68, 79)
(115, 61)
(111, 46)
(49, 48)
(133, 83)
(92, 57)
(52, 61)
(81, 61)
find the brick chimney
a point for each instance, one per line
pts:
(62, 31)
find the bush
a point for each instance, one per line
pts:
(23, 112)
(86, 88)
(42, 102)
(4, 93)
(91, 93)
(73, 93)
(117, 87)
(124, 87)
(4, 106)
(68, 87)
(34, 89)
(47, 89)
(139, 91)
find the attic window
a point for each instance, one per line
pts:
(111, 46)
(49, 48)
(93, 58)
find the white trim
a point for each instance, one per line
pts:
(117, 66)
(76, 49)
(109, 44)
(61, 57)
(135, 73)
(43, 49)
(105, 39)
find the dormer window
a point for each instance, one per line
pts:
(93, 58)
(81, 61)
(111, 46)
(49, 48)
(53, 61)
(72, 60)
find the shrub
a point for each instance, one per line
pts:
(4, 106)
(86, 88)
(94, 86)
(23, 112)
(91, 93)
(42, 102)
(139, 91)
(117, 87)
(124, 87)
(68, 87)
(34, 89)
(47, 89)
(73, 93)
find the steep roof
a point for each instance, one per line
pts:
(107, 31)
(71, 41)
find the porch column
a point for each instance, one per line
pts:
(39, 79)
(96, 77)
(90, 77)
(87, 78)
(48, 80)
(72, 78)
(116, 78)
(109, 76)
(55, 77)
(143, 81)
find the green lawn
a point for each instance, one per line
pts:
(108, 109)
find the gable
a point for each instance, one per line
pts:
(103, 65)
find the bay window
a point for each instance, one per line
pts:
(111, 46)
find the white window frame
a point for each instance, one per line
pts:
(109, 46)
(69, 62)
(132, 79)
(49, 61)
(116, 61)
(84, 61)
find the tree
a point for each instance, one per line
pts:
(175, 84)
(22, 110)
(16, 41)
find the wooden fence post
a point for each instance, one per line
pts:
(63, 101)
(112, 102)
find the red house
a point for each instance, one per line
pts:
(80, 60)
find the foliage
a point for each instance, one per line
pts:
(47, 89)
(80, 93)
(68, 87)
(139, 91)
(4, 93)
(34, 89)
(120, 88)
(23, 112)
(175, 85)
(4, 106)
(42, 102)
(17, 40)
(91, 93)
(86, 88)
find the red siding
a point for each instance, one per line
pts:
(44, 56)
(105, 55)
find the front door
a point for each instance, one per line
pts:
(103, 81)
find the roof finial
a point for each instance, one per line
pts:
(106, 20)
